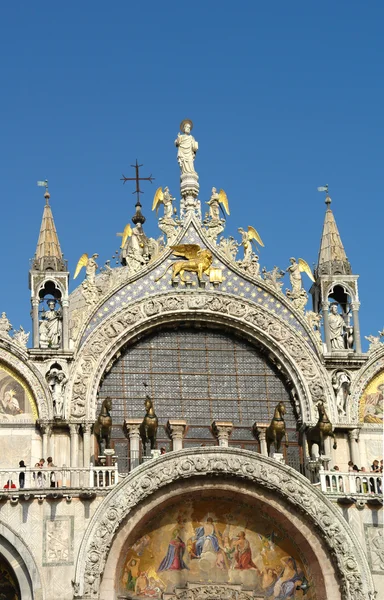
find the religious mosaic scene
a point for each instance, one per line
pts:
(191, 422)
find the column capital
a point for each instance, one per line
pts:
(325, 305)
(353, 434)
(355, 305)
(74, 428)
(87, 427)
(131, 428)
(176, 428)
(222, 430)
(46, 428)
(259, 430)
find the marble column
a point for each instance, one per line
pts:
(356, 326)
(86, 444)
(46, 431)
(74, 433)
(222, 430)
(176, 431)
(327, 333)
(259, 432)
(65, 340)
(131, 432)
(353, 438)
(35, 322)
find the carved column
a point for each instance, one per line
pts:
(74, 433)
(46, 431)
(65, 325)
(327, 333)
(131, 432)
(176, 430)
(222, 430)
(353, 438)
(356, 326)
(35, 322)
(86, 444)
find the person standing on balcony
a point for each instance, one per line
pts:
(21, 475)
(52, 477)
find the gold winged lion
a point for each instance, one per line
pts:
(198, 261)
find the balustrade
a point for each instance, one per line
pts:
(351, 484)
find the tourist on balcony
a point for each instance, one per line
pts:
(10, 485)
(375, 467)
(352, 467)
(38, 476)
(364, 481)
(162, 450)
(52, 476)
(22, 474)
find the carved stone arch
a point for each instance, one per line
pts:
(17, 553)
(223, 464)
(57, 285)
(17, 362)
(256, 323)
(372, 367)
(345, 286)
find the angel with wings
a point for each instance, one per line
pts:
(295, 269)
(164, 198)
(198, 260)
(215, 202)
(247, 237)
(90, 265)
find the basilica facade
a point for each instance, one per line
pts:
(206, 432)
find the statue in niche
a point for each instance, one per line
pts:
(148, 427)
(50, 327)
(57, 381)
(5, 326)
(103, 426)
(337, 328)
(186, 147)
(341, 383)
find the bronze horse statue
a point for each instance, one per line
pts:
(103, 426)
(148, 428)
(318, 433)
(276, 430)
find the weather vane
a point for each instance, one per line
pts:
(137, 178)
(324, 188)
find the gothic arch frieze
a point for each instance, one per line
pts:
(286, 347)
(293, 488)
(33, 379)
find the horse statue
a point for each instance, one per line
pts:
(148, 428)
(276, 430)
(103, 426)
(318, 433)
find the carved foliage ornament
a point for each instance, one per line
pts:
(356, 581)
(118, 326)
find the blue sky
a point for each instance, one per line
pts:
(284, 96)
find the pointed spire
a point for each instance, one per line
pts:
(48, 255)
(332, 258)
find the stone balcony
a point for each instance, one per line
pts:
(353, 486)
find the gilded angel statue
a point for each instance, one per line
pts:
(216, 202)
(247, 237)
(295, 269)
(90, 265)
(164, 198)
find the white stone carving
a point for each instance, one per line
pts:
(21, 337)
(5, 326)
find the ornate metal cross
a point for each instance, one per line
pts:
(137, 178)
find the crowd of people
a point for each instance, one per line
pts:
(41, 476)
(365, 484)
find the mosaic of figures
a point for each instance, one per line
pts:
(214, 541)
(371, 403)
(16, 403)
(8, 587)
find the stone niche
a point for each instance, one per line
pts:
(212, 544)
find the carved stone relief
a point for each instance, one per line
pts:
(353, 569)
